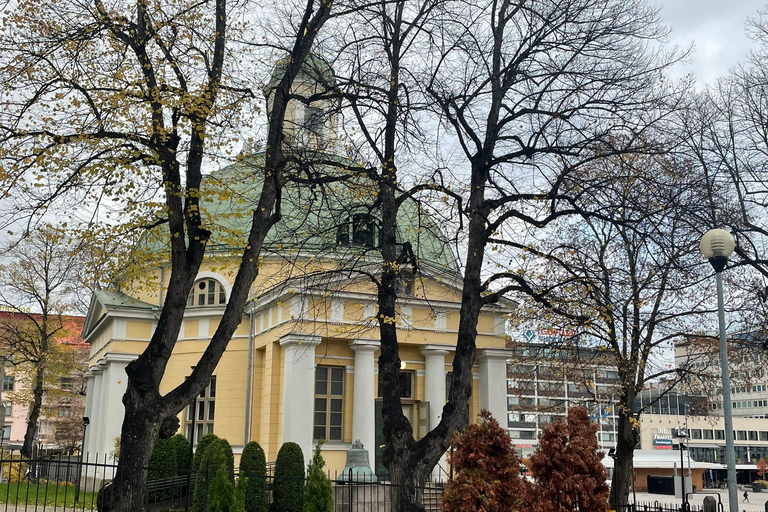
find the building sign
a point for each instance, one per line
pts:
(549, 334)
(518, 445)
(662, 440)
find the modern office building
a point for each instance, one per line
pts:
(543, 381)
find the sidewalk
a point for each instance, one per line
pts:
(757, 500)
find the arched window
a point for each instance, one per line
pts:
(207, 292)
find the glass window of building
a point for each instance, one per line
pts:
(329, 400)
(201, 413)
(207, 292)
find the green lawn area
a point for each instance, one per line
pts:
(49, 494)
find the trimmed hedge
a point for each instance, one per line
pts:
(202, 446)
(162, 464)
(253, 467)
(288, 490)
(181, 445)
(230, 459)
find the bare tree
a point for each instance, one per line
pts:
(629, 280)
(505, 103)
(724, 132)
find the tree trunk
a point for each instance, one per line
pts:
(34, 413)
(140, 430)
(623, 465)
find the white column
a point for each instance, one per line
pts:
(299, 389)
(363, 407)
(92, 396)
(100, 401)
(493, 382)
(115, 383)
(434, 390)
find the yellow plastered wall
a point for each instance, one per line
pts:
(191, 328)
(485, 323)
(257, 396)
(423, 318)
(230, 393)
(272, 395)
(452, 321)
(138, 329)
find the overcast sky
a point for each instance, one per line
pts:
(717, 29)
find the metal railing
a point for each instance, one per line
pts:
(43, 484)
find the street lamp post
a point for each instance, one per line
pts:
(717, 245)
(86, 422)
(682, 435)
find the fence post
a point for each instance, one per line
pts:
(350, 489)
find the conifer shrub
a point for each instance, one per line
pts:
(181, 446)
(230, 459)
(162, 465)
(566, 465)
(202, 446)
(214, 489)
(318, 493)
(253, 468)
(288, 490)
(486, 471)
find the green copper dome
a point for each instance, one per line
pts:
(334, 220)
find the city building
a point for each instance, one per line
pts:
(747, 359)
(302, 365)
(668, 412)
(545, 379)
(64, 399)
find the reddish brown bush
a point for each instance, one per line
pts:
(566, 465)
(486, 471)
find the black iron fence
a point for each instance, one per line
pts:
(657, 507)
(65, 484)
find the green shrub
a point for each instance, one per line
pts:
(763, 483)
(242, 483)
(288, 492)
(202, 445)
(318, 494)
(230, 460)
(214, 490)
(253, 468)
(162, 464)
(181, 445)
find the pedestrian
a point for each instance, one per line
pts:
(746, 496)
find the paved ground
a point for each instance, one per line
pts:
(757, 500)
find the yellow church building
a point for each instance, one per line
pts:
(302, 365)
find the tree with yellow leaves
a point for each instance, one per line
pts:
(118, 106)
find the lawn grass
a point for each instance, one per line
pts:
(49, 494)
